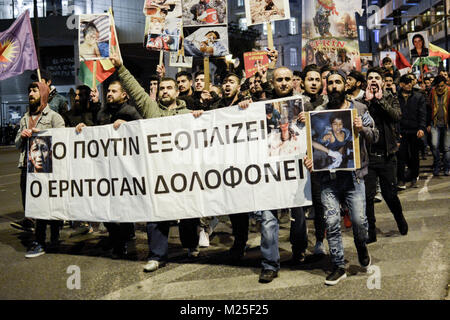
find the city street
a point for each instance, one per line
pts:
(415, 266)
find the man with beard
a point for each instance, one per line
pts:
(354, 84)
(84, 110)
(116, 111)
(347, 185)
(56, 101)
(38, 117)
(168, 105)
(385, 110)
(412, 128)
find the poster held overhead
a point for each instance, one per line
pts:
(261, 11)
(94, 36)
(204, 12)
(206, 41)
(418, 44)
(254, 59)
(329, 34)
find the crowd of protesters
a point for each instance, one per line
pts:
(395, 115)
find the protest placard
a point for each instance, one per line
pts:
(204, 12)
(332, 143)
(261, 11)
(94, 36)
(254, 59)
(329, 34)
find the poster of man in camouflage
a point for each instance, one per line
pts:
(330, 34)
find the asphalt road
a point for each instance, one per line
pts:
(415, 266)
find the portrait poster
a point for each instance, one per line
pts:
(254, 59)
(332, 143)
(40, 154)
(418, 44)
(366, 62)
(390, 54)
(204, 12)
(286, 136)
(330, 34)
(180, 61)
(94, 36)
(167, 8)
(206, 41)
(165, 37)
(261, 11)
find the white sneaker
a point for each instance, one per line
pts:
(203, 241)
(153, 265)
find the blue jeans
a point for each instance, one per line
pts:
(269, 236)
(436, 136)
(348, 188)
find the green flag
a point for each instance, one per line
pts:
(429, 61)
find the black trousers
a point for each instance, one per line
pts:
(319, 219)
(408, 154)
(239, 224)
(384, 168)
(23, 185)
(119, 233)
(41, 228)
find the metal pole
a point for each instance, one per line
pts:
(36, 31)
(12, 1)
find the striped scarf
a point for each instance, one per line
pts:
(435, 105)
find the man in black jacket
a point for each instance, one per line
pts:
(117, 111)
(84, 110)
(412, 128)
(385, 110)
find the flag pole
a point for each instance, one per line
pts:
(39, 74)
(270, 41)
(94, 75)
(206, 71)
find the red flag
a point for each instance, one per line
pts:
(400, 61)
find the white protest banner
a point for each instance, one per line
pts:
(166, 169)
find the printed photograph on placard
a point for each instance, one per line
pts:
(329, 34)
(418, 44)
(206, 41)
(331, 137)
(169, 37)
(40, 154)
(261, 11)
(179, 61)
(169, 8)
(366, 62)
(94, 36)
(282, 126)
(253, 60)
(204, 12)
(388, 54)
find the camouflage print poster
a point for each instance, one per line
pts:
(330, 34)
(204, 12)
